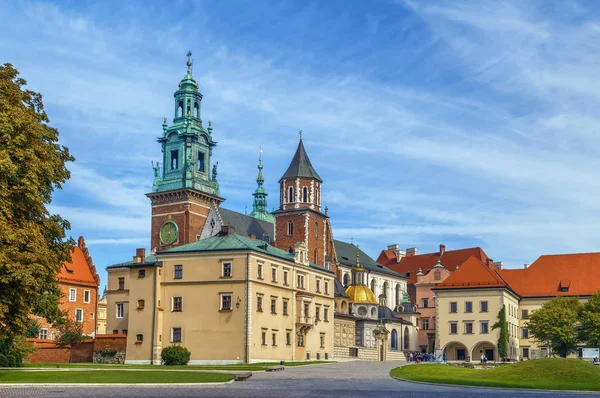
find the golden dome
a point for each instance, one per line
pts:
(361, 294)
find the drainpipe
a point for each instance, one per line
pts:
(153, 316)
(246, 336)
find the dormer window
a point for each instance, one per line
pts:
(201, 162)
(564, 285)
(174, 159)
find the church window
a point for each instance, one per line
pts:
(346, 280)
(196, 110)
(373, 312)
(290, 228)
(398, 293)
(394, 340)
(373, 286)
(305, 194)
(316, 230)
(290, 194)
(316, 255)
(174, 159)
(180, 109)
(201, 166)
(406, 338)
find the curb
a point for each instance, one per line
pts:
(100, 385)
(495, 388)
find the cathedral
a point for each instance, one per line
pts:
(261, 286)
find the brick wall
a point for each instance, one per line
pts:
(113, 341)
(83, 352)
(49, 355)
(89, 309)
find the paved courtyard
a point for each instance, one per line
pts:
(350, 379)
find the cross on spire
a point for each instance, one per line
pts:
(260, 151)
(300, 134)
(189, 61)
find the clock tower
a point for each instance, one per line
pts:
(185, 185)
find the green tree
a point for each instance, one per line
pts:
(556, 325)
(503, 337)
(70, 332)
(32, 241)
(589, 331)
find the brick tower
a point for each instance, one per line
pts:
(299, 217)
(184, 189)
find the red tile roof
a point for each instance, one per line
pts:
(472, 274)
(579, 273)
(80, 270)
(411, 264)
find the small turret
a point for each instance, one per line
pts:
(259, 206)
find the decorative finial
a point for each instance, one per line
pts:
(165, 119)
(326, 210)
(260, 151)
(357, 257)
(209, 123)
(300, 134)
(189, 61)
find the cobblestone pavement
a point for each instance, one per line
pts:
(349, 379)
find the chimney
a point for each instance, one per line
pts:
(140, 256)
(442, 249)
(489, 262)
(224, 229)
(252, 236)
(499, 265)
(396, 249)
(525, 266)
(411, 251)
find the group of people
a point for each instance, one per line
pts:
(422, 357)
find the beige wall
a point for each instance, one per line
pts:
(475, 341)
(101, 318)
(117, 296)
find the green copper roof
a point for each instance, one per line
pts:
(259, 206)
(230, 241)
(300, 165)
(346, 255)
(149, 260)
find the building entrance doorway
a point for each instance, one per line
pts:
(489, 354)
(461, 354)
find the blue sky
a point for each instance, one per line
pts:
(472, 123)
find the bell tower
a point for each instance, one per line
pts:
(299, 217)
(185, 187)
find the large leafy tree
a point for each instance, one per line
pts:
(503, 336)
(556, 325)
(590, 322)
(32, 241)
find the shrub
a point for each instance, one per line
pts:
(3, 361)
(12, 361)
(18, 359)
(175, 355)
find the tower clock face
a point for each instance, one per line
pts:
(168, 233)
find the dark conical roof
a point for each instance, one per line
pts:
(300, 166)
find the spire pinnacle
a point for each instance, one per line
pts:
(300, 134)
(259, 206)
(189, 62)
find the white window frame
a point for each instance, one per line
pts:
(43, 331)
(122, 310)
(299, 285)
(81, 319)
(72, 295)
(181, 335)
(173, 304)
(89, 296)
(223, 269)
(221, 296)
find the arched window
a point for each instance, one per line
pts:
(316, 230)
(305, 194)
(180, 109)
(290, 194)
(373, 286)
(316, 255)
(373, 312)
(346, 280)
(290, 228)
(394, 340)
(406, 338)
(385, 292)
(196, 110)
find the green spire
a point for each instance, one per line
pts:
(186, 144)
(438, 264)
(405, 299)
(259, 206)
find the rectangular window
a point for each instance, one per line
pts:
(201, 166)
(72, 295)
(300, 340)
(285, 307)
(318, 313)
(227, 270)
(141, 304)
(43, 334)
(174, 159)
(178, 272)
(453, 307)
(142, 273)
(468, 306)
(115, 331)
(259, 303)
(273, 306)
(274, 336)
(121, 283)
(176, 335)
(125, 332)
(260, 273)
(453, 328)
(288, 337)
(86, 296)
(285, 278)
(226, 302)
(120, 310)
(322, 340)
(318, 286)
(485, 329)
(263, 337)
(274, 275)
(468, 327)
(139, 338)
(326, 314)
(425, 324)
(525, 352)
(524, 333)
(525, 314)
(425, 303)
(326, 287)
(483, 306)
(177, 305)
(300, 281)
(79, 315)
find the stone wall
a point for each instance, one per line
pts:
(119, 357)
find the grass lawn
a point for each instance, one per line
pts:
(107, 376)
(551, 373)
(248, 367)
